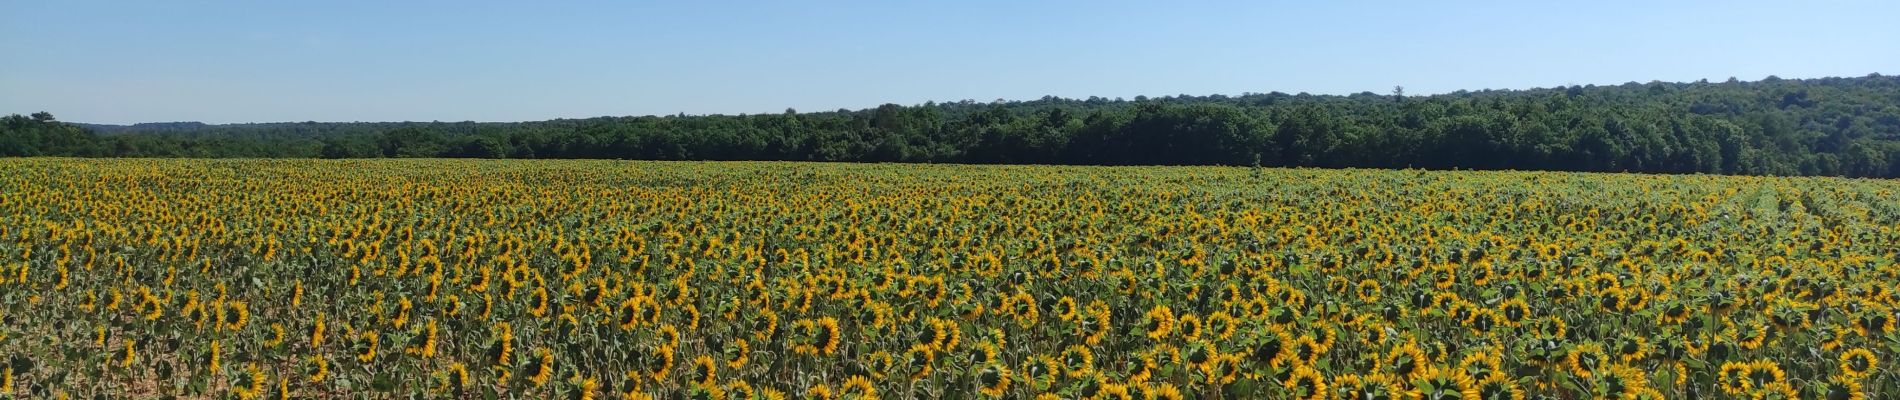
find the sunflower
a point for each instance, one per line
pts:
(1368, 291)
(454, 380)
(1199, 354)
(705, 371)
(1585, 359)
(698, 392)
(1189, 326)
(1681, 373)
(932, 334)
(583, 388)
(1160, 323)
(1024, 309)
(129, 356)
(237, 314)
(1610, 300)
(692, 316)
(765, 326)
(1444, 277)
(1513, 312)
(1140, 390)
(628, 315)
(403, 308)
(365, 346)
(488, 306)
(501, 347)
(1308, 350)
(1777, 390)
(1446, 384)
(214, 361)
(540, 369)
(738, 352)
(741, 390)
(1858, 363)
(1041, 370)
(1619, 381)
(993, 380)
(1285, 316)
(317, 368)
(427, 338)
(1552, 325)
(114, 299)
(669, 336)
(1751, 335)
(1499, 386)
(1632, 348)
(1408, 361)
(1483, 363)
(566, 324)
(1222, 325)
(875, 317)
(825, 335)
(1841, 388)
(1276, 349)
(661, 364)
(1873, 322)
(969, 309)
(1732, 378)
(1078, 361)
(1306, 383)
(194, 310)
(858, 386)
(766, 393)
(1099, 317)
(1147, 365)
(985, 352)
(540, 303)
(251, 383)
(1066, 309)
(1258, 307)
(152, 306)
(1370, 387)
(1166, 391)
(1673, 313)
(1226, 369)
(283, 389)
(919, 359)
(1115, 392)
(276, 335)
(1635, 299)
(819, 392)
(1645, 394)
(1831, 339)
(1719, 348)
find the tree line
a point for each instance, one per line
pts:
(1827, 126)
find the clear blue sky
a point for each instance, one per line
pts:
(258, 61)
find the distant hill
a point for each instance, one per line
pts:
(146, 127)
(1824, 126)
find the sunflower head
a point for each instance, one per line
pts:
(992, 380)
(1858, 363)
(1306, 383)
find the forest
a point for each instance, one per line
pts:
(1825, 126)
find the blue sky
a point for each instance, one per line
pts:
(261, 61)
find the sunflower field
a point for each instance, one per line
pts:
(426, 279)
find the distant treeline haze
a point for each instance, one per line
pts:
(1830, 126)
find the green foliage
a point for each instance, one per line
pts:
(41, 135)
(1829, 126)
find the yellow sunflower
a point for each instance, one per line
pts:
(1858, 363)
(993, 380)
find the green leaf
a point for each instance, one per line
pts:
(383, 383)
